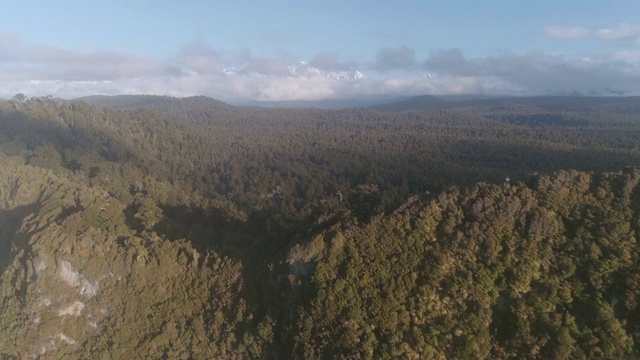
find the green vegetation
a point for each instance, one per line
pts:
(187, 228)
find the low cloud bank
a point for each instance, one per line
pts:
(199, 69)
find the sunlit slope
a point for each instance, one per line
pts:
(79, 282)
(254, 233)
(545, 270)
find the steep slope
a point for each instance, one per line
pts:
(80, 281)
(543, 271)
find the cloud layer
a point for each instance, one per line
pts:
(201, 69)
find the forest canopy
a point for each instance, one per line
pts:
(189, 228)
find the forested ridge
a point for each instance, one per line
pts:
(189, 228)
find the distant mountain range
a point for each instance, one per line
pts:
(321, 104)
(302, 69)
(418, 103)
(549, 103)
(424, 102)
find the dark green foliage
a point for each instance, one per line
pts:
(493, 272)
(193, 229)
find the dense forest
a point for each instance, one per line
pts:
(148, 226)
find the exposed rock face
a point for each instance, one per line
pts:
(74, 309)
(76, 281)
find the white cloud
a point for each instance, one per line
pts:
(630, 56)
(198, 69)
(266, 66)
(326, 61)
(622, 32)
(8, 40)
(199, 58)
(19, 61)
(566, 32)
(542, 73)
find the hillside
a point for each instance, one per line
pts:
(150, 101)
(192, 229)
(425, 102)
(541, 103)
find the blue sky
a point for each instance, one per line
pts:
(236, 50)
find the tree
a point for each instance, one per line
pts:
(19, 98)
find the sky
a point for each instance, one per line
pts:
(324, 49)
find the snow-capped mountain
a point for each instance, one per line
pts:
(301, 69)
(240, 71)
(304, 69)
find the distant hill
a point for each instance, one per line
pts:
(201, 109)
(367, 101)
(150, 101)
(162, 103)
(547, 103)
(167, 104)
(424, 102)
